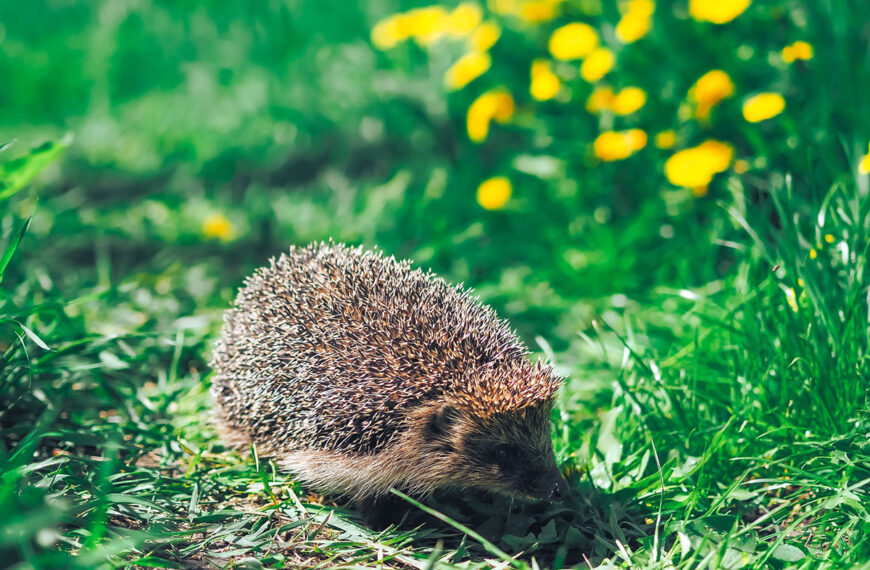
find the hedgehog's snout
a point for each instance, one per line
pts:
(550, 487)
(558, 490)
(541, 481)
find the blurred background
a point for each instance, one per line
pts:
(577, 162)
(252, 126)
(209, 136)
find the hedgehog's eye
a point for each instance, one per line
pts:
(502, 453)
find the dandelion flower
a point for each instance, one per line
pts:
(813, 253)
(709, 90)
(666, 139)
(829, 238)
(504, 105)
(484, 37)
(864, 165)
(695, 167)
(496, 104)
(536, 11)
(463, 20)
(618, 145)
(493, 193)
(636, 20)
(629, 29)
(573, 41)
(597, 64)
(628, 100)
(798, 50)
(503, 7)
(390, 31)
(763, 106)
(545, 85)
(468, 68)
(219, 227)
(717, 11)
(741, 166)
(791, 298)
(600, 100)
(638, 7)
(427, 24)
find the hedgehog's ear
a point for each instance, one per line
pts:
(440, 422)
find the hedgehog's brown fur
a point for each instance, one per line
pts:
(360, 374)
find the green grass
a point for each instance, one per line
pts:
(735, 433)
(717, 407)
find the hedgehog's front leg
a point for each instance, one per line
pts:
(381, 511)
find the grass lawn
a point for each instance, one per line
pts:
(693, 259)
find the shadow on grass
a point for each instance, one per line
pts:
(588, 526)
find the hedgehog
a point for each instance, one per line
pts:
(358, 374)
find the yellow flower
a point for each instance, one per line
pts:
(504, 7)
(219, 227)
(484, 37)
(717, 11)
(741, 166)
(695, 167)
(629, 29)
(545, 85)
(496, 104)
(666, 139)
(763, 106)
(493, 193)
(463, 19)
(636, 20)
(628, 100)
(390, 31)
(597, 64)
(600, 100)
(618, 145)
(536, 11)
(427, 24)
(797, 50)
(504, 105)
(791, 298)
(864, 165)
(573, 41)
(532, 11)
(468, 68)
(813, 253)
(711, 88)
(829, 238)
(637, 7)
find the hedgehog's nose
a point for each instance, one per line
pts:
(551, 487)
(557, 491)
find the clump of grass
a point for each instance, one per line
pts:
(761, 417)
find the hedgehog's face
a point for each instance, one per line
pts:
(508, 452)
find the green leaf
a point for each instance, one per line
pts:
(124, 499)
(548, 534)
(13, 245)
(34, 337)
(16, 174)
(518, 543)
(788, 553)
(155, 562)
